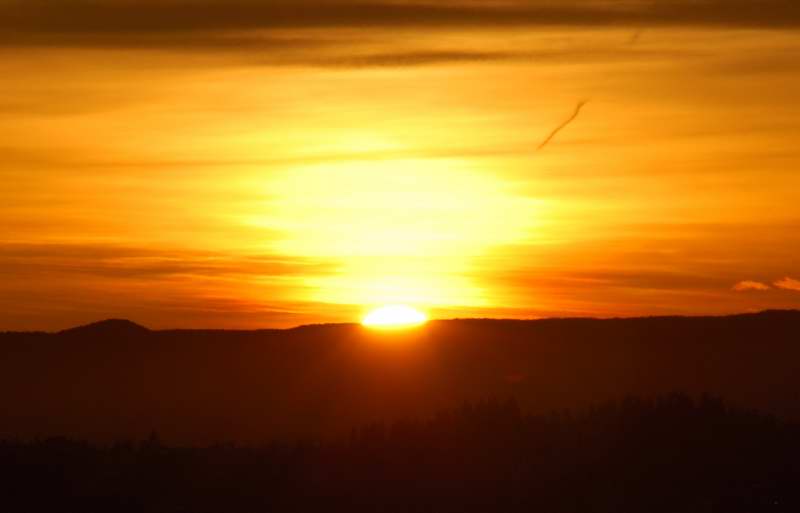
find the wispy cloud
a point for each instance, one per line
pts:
(54, 286)
(112, 261)
(748, 285)
(213, 22)
(785, 284)
(788, 284)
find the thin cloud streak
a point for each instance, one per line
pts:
(423, 57)
(54, 285)
(143, 263)
(563, 125)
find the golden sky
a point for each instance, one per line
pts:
(202, 163)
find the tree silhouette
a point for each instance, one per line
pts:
(662, 454)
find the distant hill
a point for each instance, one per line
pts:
(110, 327)
(115, 379)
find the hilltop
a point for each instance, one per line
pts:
(109, 327)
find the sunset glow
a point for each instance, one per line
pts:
(394, 316)
(401, 234)
(226, 169)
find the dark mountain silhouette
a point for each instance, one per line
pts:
(117, 380)
(107, 328)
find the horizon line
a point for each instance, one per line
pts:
(431, 321)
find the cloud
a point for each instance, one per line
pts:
(55, 286)
(785, 284)
(358, 33)
(788, 284)
(350, 55)
(747, 285)
(414, 58)
(123, 262)
(206, 23)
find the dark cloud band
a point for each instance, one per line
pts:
(207, 22)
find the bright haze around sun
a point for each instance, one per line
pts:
(394, 316)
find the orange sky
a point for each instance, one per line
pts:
(260, 164)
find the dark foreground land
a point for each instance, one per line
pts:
(263, 420)
(671, 454)
(115, 380)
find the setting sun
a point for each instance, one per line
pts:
(394, 316)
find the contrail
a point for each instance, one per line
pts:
(563, 125)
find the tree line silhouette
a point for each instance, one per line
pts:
(669, 454)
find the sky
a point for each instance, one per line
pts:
(246, 164)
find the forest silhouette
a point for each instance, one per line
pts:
(665, 454)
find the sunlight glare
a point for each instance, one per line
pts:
(394, 316)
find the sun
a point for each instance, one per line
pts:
(394, 316)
